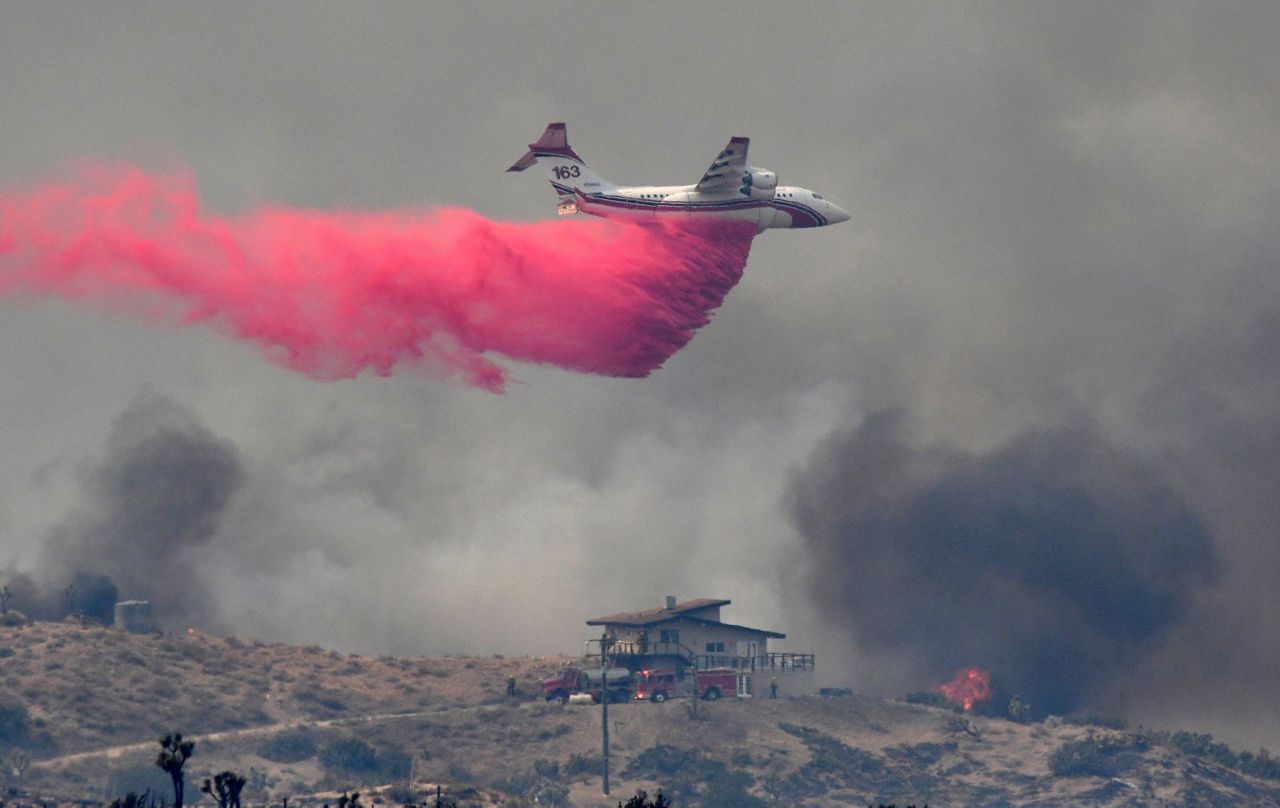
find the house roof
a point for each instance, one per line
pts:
(651, 616)
(702, 621)
(681, 611)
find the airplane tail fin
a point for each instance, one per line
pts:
(568, 171)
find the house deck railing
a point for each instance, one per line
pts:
(635, 648)
(776, 662)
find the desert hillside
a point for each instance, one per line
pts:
(86, 706)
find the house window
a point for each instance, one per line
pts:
(715, 648)
(671, 635)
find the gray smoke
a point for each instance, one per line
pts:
(158, 493)
(1057, 560)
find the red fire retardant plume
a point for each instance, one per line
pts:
(333, 294)
(968, 687)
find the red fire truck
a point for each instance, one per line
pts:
(659, 685)
(573, 680)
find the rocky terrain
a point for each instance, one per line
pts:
(86, 705)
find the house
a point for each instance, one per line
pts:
(692, 635)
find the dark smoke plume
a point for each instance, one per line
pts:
(89, 594)
(157, 494)
(1056, 561)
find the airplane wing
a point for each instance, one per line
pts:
(725, 173)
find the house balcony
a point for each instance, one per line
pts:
(638, 655)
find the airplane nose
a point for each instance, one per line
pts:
(836, 214)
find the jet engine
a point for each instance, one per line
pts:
(758, 183)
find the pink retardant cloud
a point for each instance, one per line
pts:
(333, 294)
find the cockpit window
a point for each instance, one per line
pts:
(817, 196)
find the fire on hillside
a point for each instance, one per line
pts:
(968, 687)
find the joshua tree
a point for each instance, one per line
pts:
(225, 788)
(19, 761)
(5, 594)
(132, 800)
(345, 801)
(642, 800)
(173, 754)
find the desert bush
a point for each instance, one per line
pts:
(289, 747)
(459, 773)
(14, 724)
(6, 652)
(353, 756)
(663, 761)
(684, 771)
(1202, 744)
(729, 790)
(1261, 764)
(833, 764)
(132, 658)
(1094, 718)
(580, 764)
(353, 668)
(24, 733)
(540, 785)
(517, 782)
(547, 733)
(12, 618)
(549, 792)
(349, 756)
(1096, 756)
(394, 764)
(308, 695)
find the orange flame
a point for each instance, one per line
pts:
(968, 686)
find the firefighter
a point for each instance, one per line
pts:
(1019, 711)
(644, 642)
(511, 687)
(773, 688)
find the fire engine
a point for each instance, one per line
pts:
(659, 685)
(573, 680)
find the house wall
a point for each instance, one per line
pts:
(695, 636)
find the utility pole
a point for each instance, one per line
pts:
(604, 708)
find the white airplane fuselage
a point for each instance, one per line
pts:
(790, 207)
(729, 190)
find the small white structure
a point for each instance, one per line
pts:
(135, 617)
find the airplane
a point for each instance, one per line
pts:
(730, 189)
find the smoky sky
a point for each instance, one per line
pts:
(1063, 223)
(156, 493)
(1055, 560)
